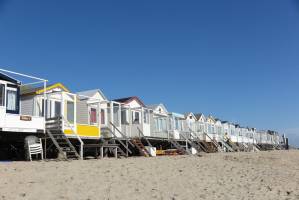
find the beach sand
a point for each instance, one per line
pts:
(262, 175)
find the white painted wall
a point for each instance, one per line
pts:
(12, 122)
(2, 115)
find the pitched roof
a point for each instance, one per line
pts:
(154, 106)
(39, 90)
(198, 115)
(127, 100)
(190, 113)
(8, 78)
(90, 93)
(177, 115)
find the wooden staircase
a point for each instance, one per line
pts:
(181, 148)
(199, 143)
(241, 146)
(210, 146)
(203, 147)
(197, 146)
(120, 152)
(231, 144)
(228, 147)
(218, 148)
(124, 142)
(141, 148)
(134, 142)
(59, 139)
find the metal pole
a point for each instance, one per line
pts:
(16, 73)
(45, 97)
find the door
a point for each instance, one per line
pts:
(146, 123)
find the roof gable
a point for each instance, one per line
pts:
(128, 100)
(200, 117)
(96, 94)
(190, 116)
(211, 119)
(159, 109)
(7, 78)
(40, 90)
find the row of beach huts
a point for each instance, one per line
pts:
(50, 121)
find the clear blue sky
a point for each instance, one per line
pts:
(237, 60)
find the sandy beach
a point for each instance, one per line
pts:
(262, 175)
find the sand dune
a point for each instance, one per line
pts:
(263, 175)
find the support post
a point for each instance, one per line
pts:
(102, 152)
(45, 151)
(81, 151)
(115, 152)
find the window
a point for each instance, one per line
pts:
(43, 108)
(136, 117)
(146, 117)
(57, 111)
(160, 124)
(93, 116)
(103, 116)
(2, 94)
(12, 101)
(116, 114)
(70, 112)
(124, 118)
(48, 108)
(177, 124)
(164, 125)
(157, 124)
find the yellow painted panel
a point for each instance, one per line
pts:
(68, 132)
(85, 131)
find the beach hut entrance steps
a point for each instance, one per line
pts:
(141, 148)
(232, 144)
(190, 141)
(124, 142)
(60, 140)
(202, 144)
(213, 142)
(135, 142)
(226, 146)
(183, 149)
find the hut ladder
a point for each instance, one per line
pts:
(141, 148)
(179, 147)
(223, 142)
(233, 145)
(196, 138)
(213, 142)
(189, 141)
(123, 137)
(59, 139)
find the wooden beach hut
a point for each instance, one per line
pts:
(15, 123)
(159, 121)
(14, 117)
(201, 126)
(135, 117)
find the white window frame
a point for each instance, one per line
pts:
(4, 94)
